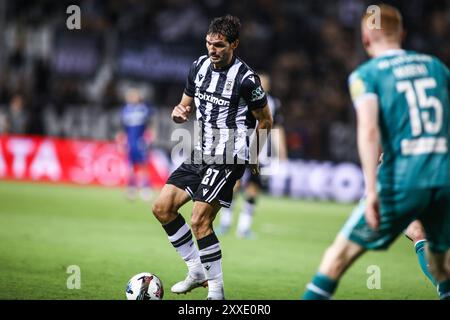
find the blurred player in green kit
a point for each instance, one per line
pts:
(402, 104)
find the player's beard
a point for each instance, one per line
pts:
(215, 59)
(220, 61)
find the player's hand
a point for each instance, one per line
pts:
(254, 167)
(180, 113)
(372, 210)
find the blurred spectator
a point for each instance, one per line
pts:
(17, 117)
(134, 140)
(3, 121)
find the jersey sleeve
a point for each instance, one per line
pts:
(190, 81)
(253, 93)
(362, 86)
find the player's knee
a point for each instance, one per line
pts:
(415, 231)
(162, 210)
(417, 235)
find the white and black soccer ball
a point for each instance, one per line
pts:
(145, 286)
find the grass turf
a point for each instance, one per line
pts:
(46, 228)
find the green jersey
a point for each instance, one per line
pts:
(412, 90)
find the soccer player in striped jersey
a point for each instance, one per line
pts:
(229, 101)
(402, 103)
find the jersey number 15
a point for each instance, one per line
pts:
(418, 102)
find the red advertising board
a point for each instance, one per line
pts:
(72, 161)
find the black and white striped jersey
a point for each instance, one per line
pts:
(224, 99)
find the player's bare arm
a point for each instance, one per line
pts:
(264, 118)
(265, 122)
(369, 150)
(181, 111)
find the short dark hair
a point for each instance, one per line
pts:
(227, 26)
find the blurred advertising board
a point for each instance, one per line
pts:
(83, 162)
(89, 162)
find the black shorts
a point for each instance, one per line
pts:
(208, 182)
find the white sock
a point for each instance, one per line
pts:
(195, 268)
(211, 258)
(180, 236)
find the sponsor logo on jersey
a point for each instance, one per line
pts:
(258, 94)
(211, 98)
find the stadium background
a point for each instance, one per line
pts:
(69, 85)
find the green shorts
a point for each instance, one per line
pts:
(397, 210)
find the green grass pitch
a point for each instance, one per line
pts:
(46, 228)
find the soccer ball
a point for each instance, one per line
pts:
(145, 286)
